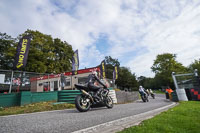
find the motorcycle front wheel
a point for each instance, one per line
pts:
(143, 99)
(82, 103)
(108, 102)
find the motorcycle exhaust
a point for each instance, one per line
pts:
(84, 92)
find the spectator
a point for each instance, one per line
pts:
(168, 93)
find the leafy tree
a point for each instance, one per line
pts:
(63, 53)
(163, 67)
(141, 80)
(195, 65)
(148, 83)
(7, 51)
(110, 64)
(126, 79)
(46, 55)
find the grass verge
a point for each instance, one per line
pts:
(184, 118)
(35, 107)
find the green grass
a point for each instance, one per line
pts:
(36, 107)
(184, 118)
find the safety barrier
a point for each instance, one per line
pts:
(26, 97)
(68, 96)
(124, 97)
(8, 100)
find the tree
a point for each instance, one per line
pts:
(63, 53)
(110, 64)
(7, 51)
(126, 79)
(141, 80)
(147, 82)
(163, 67)
(195, 65)
(46, 55)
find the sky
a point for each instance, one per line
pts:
(132, 31)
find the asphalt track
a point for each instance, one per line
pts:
(70, 120)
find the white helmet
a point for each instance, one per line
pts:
(94, 72)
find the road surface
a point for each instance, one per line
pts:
(71, 120)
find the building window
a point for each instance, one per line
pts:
(67, 82)
(82, 80)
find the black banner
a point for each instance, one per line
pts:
(103, 69)
(75, 63)
(22, 52)
(115, 73)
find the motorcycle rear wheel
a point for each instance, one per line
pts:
(82, 103)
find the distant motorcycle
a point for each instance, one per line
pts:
(144, 97)
(153, 95)
(86, 100)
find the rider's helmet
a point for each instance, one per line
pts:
(95, 73)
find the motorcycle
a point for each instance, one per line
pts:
(86, 100)
(153, 95)
(144, 97)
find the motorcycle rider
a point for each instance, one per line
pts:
(142, 91)
(92, 78)
(150, 90)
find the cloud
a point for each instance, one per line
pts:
(175, 35)
(136, 31)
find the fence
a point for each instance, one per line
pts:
(16, 81)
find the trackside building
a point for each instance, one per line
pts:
(53, 82)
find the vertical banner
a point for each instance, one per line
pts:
(22, 52)
(75, 62)
(115, 73)
(102, 69)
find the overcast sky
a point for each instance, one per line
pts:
(133, 31)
